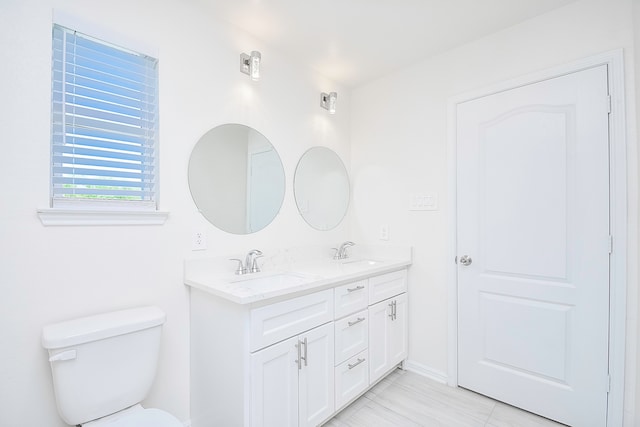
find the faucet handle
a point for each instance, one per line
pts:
(241, 268)
(336, 255)
(254, 266)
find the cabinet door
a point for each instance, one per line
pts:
(378, 340)
(316, 376)
(274, 385)
(398, 331)
(388, 334)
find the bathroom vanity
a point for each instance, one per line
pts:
(293, 347)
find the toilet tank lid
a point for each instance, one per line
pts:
(100, 326)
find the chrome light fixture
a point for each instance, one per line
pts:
(328, 101)
(250, 64)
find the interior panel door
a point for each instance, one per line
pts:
(533, 246)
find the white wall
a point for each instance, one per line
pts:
(399, 140)
(48, 274)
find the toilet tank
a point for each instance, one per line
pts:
(104, 363)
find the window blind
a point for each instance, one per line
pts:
(104, 122)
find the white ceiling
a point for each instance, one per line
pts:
(354, 41)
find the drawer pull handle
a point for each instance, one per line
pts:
(355, 322)
(357, 288)
(353, 365)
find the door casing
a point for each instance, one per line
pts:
(617, 207)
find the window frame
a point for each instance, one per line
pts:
(84, 211)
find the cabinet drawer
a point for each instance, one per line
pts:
(352, 378)
(350, 298)
(387, 285)
(275, 322)
(351, 335)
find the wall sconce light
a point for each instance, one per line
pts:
(250, 64)
(328, 101)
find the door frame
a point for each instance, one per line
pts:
(617, 208)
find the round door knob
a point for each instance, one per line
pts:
(465, 260)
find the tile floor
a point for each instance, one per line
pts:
(406, 399)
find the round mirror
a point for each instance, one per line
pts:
(236, 179)
(321, 188)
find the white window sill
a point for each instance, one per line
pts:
(56, 216)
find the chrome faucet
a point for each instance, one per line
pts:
(250, 262)
(341, 253)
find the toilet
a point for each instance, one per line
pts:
(103, 366)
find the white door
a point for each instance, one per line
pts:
(274, 385)
(265, 190)
(317, 391)
(533, 223)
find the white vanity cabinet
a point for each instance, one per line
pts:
(293, 361)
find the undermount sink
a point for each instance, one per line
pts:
(273, 281)
(361, 262)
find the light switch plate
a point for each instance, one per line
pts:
(423, 202)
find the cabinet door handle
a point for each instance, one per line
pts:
(395, 309)
(305, 351)
(357, 288)
(353, 365)
(355, 322)
(299, 360)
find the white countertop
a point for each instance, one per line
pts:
(214, 276)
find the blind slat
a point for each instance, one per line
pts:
(147, 103)
(109, 135)
(108, 49)
(108, 145)
(98, 163)
(101, 59)
(103, 182)
(101, 104)
(74, 111)
(100, 192)
(91, 123)
(80, 151)
(64, 171)
(73, 81)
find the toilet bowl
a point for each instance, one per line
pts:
(137, 416)
(103, 366)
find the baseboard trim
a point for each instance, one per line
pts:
(426, 371)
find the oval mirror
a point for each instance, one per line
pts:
(236, 179)
(321, 188)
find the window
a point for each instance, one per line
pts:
(104, 125)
